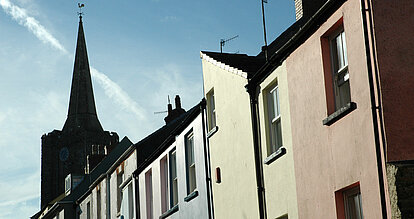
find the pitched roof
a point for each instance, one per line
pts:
(151, 146)
(123, 146)
(82, 111)
(100, 169)
(284, 37)
(243, 62)
(144, 148)
(292, 38)
(256, 66)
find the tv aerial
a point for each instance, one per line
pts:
(164, 111)
(224, 41)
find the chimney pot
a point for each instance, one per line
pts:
(177, 102)
(306, 8)
(169, 108)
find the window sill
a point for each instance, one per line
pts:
(191, 196)
(343, 111)
(212, 131)
(275, 155)
(169, 212)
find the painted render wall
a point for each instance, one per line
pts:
(329, 158)
(279, 175)
(83, 207)
(394, 31)
(129, 165)
(231, 147)
(196, 207)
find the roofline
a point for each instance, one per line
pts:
(171, 137)
(121, 158)
(49, 211)
(223, 66)
(298, 38)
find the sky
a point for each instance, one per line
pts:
(139, 52)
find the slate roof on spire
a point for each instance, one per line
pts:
(82, 111)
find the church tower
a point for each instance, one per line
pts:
(82, 142)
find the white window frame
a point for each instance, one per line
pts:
(191, 179)
(173, 178)
(211, 113)
(127, 202)
(273, 119)
(340, 73)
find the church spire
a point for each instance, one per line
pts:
(82, 111)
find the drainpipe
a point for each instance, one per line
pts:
(137, 207)
(374, 108)
(108, 195)
(207, 162)
(253, 94)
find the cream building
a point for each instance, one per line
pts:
(235, 164)
(277, 151)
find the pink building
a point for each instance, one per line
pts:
(350, 71)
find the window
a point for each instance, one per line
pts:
(164, 184)
(173, 179)
(119, 180)
(88, 210)
(211, 113)
(353, 204)
(340, 69)
(336, 74)
(148, 194)
(274, 126)
(127, 206)
(98, 202)
(190, 163)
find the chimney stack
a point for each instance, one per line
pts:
(306, 8)
(177, 102)
(174, 113)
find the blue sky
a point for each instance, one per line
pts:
(141, 51)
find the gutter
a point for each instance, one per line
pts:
(137, 204)
(168, 140)
(108, 172)
(283, 52)
(108, 195)
(374, 107)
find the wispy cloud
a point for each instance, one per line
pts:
(115, 92)
(21, 16)
(112, 90)
(17, 195)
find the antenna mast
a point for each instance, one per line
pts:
(223, 42)
(264, 29)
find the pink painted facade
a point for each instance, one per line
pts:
(331, 159)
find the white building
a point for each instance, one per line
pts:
(165, 175)
(174, 179)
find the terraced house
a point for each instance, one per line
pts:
(318, 124)
(328, 116)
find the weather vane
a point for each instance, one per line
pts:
(80, 9)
